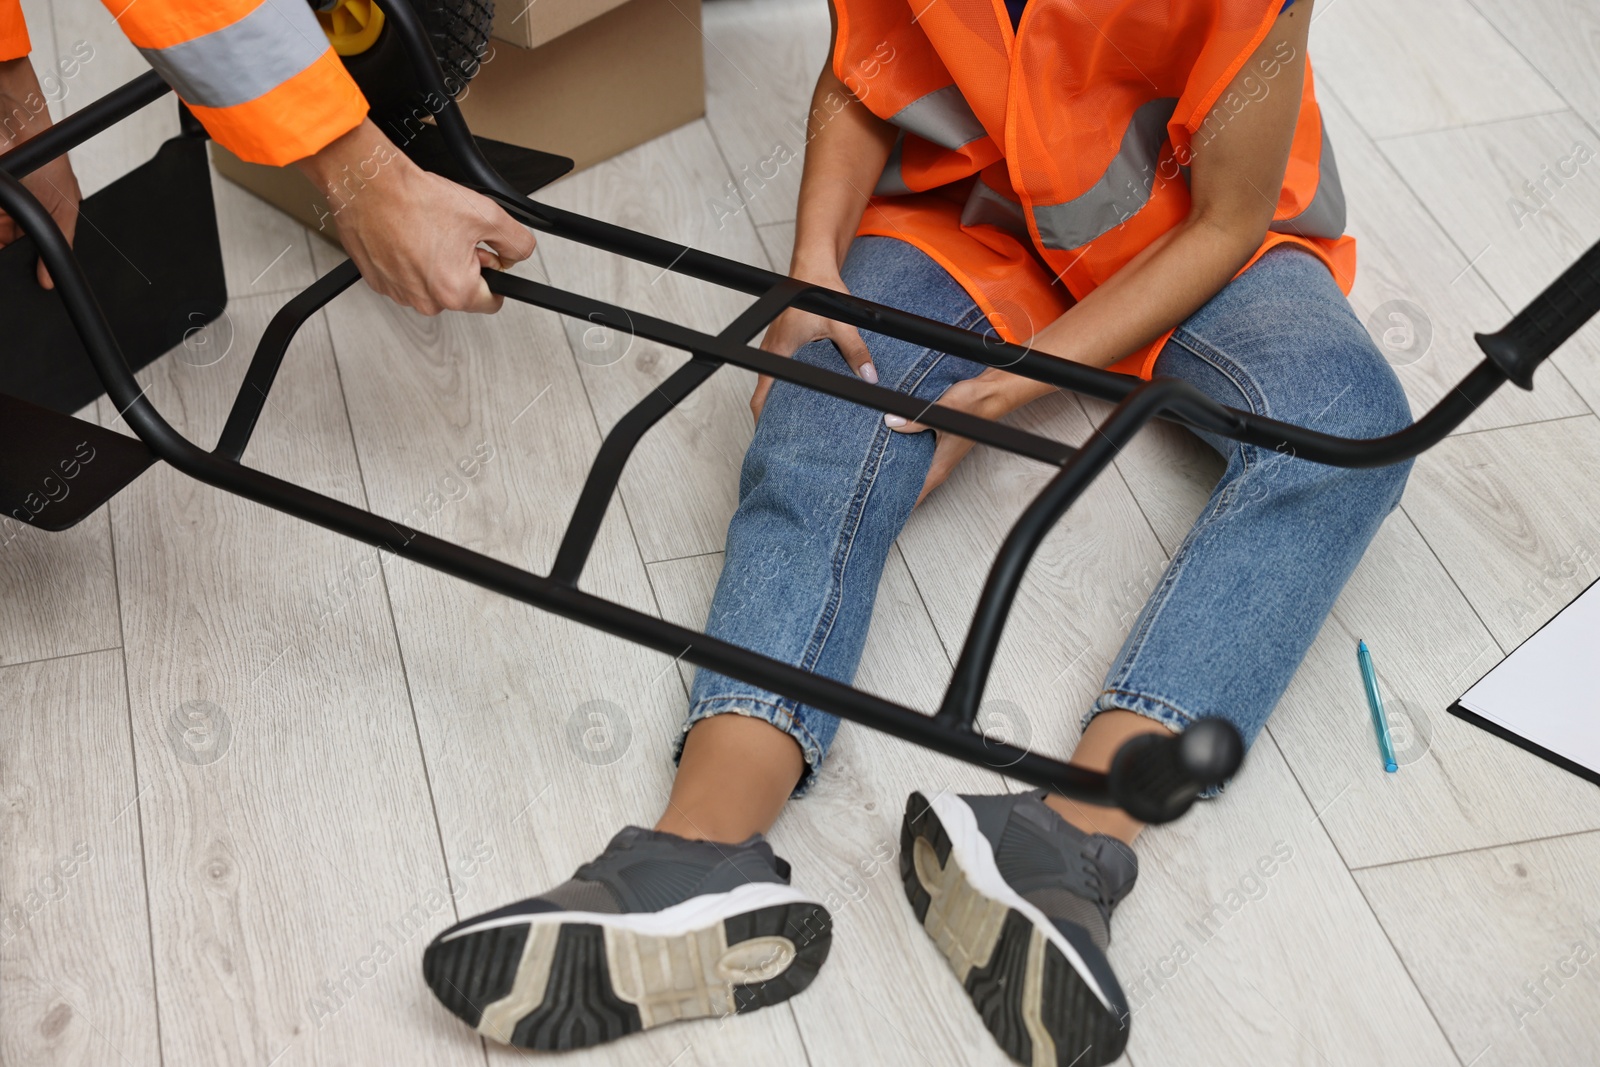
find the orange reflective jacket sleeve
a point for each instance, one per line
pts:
(259, 74)
(14, 43)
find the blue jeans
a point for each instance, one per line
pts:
(826, 488)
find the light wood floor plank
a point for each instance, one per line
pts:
(57, 86)
(681, 483)
(1503, 944)
(1520, 203)
(886, 995)
(778, 240)
(1371, 52)
(1416, 293)
(58, 593)
(1458, 787)
(1526, 498)
(1559, 37)
(542, 737)
(1247, 941)
(762, 62)
(263, 250)
(298, 858)
(75, 981)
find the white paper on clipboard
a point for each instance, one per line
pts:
(1547, 692)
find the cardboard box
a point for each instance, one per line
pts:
(531, 23)
(614, 82)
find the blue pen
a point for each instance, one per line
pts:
(1380, 721)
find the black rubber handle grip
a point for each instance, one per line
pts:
(1155, 778)
(1545, 324)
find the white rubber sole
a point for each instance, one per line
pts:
(692, 914)
(972, 852)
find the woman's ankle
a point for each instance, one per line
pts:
(734, 776)
(1094, 819)
(707, 827)
(1101, 740)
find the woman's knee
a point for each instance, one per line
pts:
(1382, 393)
(818, 456)
(1381, 408)
(788, 402)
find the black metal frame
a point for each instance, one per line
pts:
(1155, 781)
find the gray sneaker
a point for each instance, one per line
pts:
(1019, 901)
(656, 928)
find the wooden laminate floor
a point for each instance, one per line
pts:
(248, 768)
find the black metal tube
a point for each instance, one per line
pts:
(173, 447)
(624, 437)
(1201, 414)
(961, 698)
(425, 65)
(1550, 318)
(77, 128)
(844, 386)
(606, 471)
(270, 350)
(768, 306)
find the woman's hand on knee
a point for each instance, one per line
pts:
(795, 328)
(991, 395)
(971, 396)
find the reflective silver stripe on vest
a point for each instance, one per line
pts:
(942, 117)
(892, 181)
(1325, 215)
(1122, 190)
(241, 61)
(988, 206)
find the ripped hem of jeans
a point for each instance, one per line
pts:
(769, 712)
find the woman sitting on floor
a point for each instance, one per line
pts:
(1143, 185)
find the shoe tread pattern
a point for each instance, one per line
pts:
(581, 1005)
(1082, 1032)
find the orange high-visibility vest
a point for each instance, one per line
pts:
(259, 74)
(14, 43)
(1034, 164)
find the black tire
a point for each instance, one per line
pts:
(460, 32)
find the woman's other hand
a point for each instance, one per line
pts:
(991, 395)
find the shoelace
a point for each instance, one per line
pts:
(1095, 878)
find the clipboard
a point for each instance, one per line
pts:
(1554, 663)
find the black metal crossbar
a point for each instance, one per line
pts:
(1154, 781)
